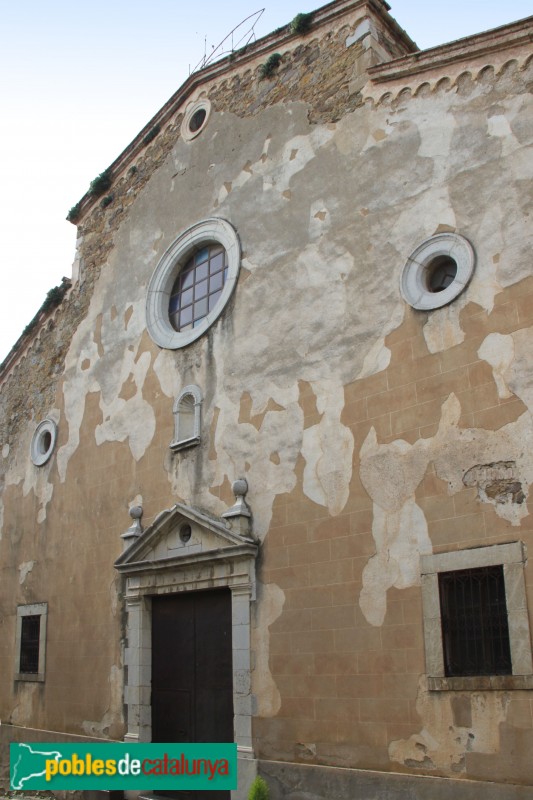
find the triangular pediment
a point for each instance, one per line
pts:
(183, 534)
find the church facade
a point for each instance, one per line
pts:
(267, 455)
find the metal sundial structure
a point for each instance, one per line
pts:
(235, 39)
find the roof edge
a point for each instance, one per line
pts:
(262, 47)
(477, 45)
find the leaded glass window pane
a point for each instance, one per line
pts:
(198, 286)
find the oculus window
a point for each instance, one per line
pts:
(195, 119)
(43, 442)
(192, 283)
(437, 271)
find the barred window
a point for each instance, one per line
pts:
(475, 631)
(31, 642)
(476, 623)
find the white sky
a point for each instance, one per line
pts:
(79, 80)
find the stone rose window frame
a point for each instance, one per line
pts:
(214, 230)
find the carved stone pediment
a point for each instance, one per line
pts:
(182, 536)
(185, 550)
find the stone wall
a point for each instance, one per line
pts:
(370, 434)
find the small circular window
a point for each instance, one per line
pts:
(192, 283)
(43, 442)
(437, 271)
(195, 119)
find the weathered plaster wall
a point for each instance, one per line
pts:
(366, 431)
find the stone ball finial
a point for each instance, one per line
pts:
(240, 487)
(239, 515)
(135, 530)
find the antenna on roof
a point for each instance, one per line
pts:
(235, 39)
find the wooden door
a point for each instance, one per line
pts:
(192, 674)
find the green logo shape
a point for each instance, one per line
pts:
(115, 765)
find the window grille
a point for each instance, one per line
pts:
(29, 643)
(475, 632)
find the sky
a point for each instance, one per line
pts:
(79, 81)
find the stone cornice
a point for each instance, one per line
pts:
(462, 51)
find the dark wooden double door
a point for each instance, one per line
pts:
(192, 675)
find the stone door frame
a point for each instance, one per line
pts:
(231, 565)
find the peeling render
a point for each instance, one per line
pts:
(320, 387)
(24, 570)
(327, 449)
(497, 482)
(271, 167)
(391, 474)
(443, 742)
(269, 609)
(36, 480)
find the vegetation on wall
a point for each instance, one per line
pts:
(107, 200)
(101, 183)
(74, 213)
(268, 68)
(53, 298)
(301, 23)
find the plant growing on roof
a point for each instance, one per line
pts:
(101, 183)
(74, 213)
(270, 65)
(301, 23)
(53, 298)
(258, 789)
